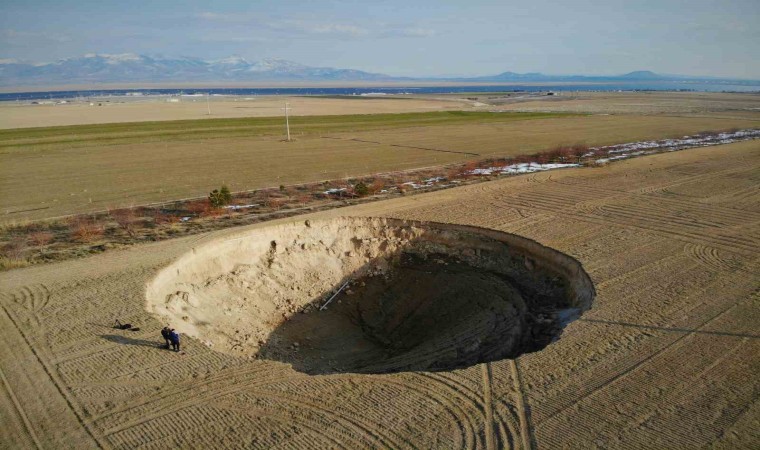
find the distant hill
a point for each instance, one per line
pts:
(640, 75)
(129, 67)
(643, 75)
(132, 68)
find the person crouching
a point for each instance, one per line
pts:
(166, 334)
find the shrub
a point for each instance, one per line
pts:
(14, 250)
(125, 218)
(41, 238)
(85, 230)
(198, 207)
(304, 199)
(541, 158)
(160, 218)
(498, 163)
(521, 159)
(579, 150)
(220, 197)
(361, 189)
(376, 186)
(467, 168)
(453, 174)
(275, 203)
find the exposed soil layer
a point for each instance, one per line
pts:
(402, 295)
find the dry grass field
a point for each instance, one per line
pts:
(95, 167)
(667, 357)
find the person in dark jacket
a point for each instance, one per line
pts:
(174, 338)
(166, 334)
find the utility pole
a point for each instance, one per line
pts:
(208, 104)
(287, 121)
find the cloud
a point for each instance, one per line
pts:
(391, 30)
(22, 37)
(231, 38)
(337, 29)
(217, 17)
(417, 32)
(297, 27)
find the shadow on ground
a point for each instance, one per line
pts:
(124, 340)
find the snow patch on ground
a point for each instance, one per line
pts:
(685, 142)
(334, 191)
(521, 168)
(237, 207)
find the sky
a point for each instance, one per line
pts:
(404, 38)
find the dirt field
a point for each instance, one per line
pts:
(90, 169)
(120, 110)
(667, 357)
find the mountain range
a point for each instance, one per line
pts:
(131, 68)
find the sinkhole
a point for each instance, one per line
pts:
(372, 295)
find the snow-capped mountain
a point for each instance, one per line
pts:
(97, 68)
(130, 67)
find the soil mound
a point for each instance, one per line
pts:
(402, 295)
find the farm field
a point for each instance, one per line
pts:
(647, 103)
(120, 110)
(130, 110)
(96, 167)
(667, 356)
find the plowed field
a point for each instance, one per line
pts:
(667, 356)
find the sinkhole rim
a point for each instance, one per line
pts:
(232, 266)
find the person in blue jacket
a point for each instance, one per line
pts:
(174, 338)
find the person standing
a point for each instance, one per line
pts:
(174, 338)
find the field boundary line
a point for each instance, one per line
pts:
(405, 146)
